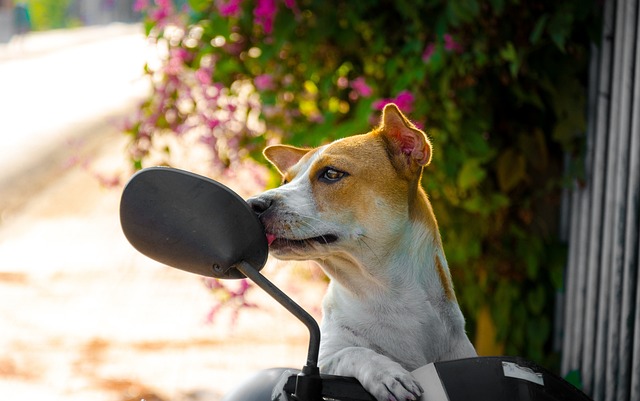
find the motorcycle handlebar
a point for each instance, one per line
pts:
(335, 387)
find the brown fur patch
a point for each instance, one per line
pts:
(445, 280)
(284, 157)
(369, 176)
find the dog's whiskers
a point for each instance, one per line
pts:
(361, 241)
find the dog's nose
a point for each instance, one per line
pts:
(259, 204)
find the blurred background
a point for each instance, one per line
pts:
(532, 108)
(82, 316)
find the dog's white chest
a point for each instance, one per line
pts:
(408, 329)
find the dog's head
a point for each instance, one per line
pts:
(347, 197)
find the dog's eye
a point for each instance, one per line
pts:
(332, 175)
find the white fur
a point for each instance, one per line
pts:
(408, 321)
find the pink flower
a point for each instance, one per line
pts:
(230, 8)
(203, 75)
(263, 82)
(163, 10)
(292, 5)
(212, 283)
(107, 181)
(177, 57)
(166, 4)
(140, 5)
(404, 101)
(212, 123)
(428, 52)
(379, 104)
(450, 44)
(265, 13)
(179, 54)
(360, 86)
(243, 288)
(213, 312)
(159, 15)
(174, 66)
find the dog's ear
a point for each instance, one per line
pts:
(404, 137)
(283, 157)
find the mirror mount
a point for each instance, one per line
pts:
(308, 382)
(290, 305)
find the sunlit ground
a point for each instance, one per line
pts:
(82, 315)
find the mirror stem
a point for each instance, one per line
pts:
(291, 306)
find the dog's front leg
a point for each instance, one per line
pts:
(385, 379)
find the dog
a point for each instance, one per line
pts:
(357, 208)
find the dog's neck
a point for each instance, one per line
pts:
(414, 258)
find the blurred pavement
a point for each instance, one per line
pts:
(57, 88)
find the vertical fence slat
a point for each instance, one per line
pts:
(601, 385)
(635, 358)
(569, 362)
(582, 206)
(570, 288)
(630, 255)
(619, 202)
(597, 169)
(580, 277)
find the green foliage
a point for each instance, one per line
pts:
(50, 14)
(498, 85)
(575, 378)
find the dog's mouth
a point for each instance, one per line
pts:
(277, 242)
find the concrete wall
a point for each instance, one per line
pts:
(6, 24)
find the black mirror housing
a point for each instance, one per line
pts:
(192, 223)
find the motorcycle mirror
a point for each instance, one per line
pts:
(191, 222)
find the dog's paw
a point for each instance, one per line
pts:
(391, 382)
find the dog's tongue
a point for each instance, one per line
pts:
(270, 238)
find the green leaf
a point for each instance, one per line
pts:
(199, 5)
(511, 169)
(559, 28)
(471, 174)
(499, 201)
(504, 296)
(536, 300)
(441, 26)
(510, 55)
(575, 378)
(148, 26)
(534, 147)
(436, 61)
(538, 29)
(498, 6)
(530, 252)
(557, 278)
(475, 204)
(538, 330)
(463, 11)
